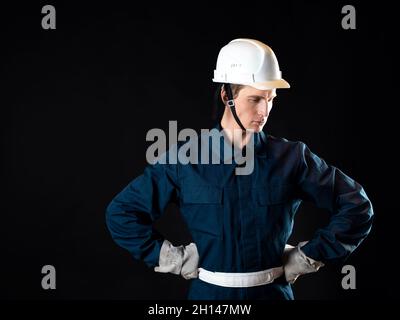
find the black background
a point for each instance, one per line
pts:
(78, 101)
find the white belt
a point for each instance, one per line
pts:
(240, 280)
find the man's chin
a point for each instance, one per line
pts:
(256, 127)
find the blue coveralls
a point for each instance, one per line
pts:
(241, 223)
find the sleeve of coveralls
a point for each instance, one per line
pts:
(351, 210)
(131, 214)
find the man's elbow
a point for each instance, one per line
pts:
(368, 204)
(368, 212)
(110, 217)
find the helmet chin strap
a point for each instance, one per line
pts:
(231, 104)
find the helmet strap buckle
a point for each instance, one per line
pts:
(231, 103)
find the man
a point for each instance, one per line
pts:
(240, 224)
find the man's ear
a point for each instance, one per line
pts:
(224, 96)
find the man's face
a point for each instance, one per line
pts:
(253, 107)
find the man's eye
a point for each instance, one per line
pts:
(253, 100)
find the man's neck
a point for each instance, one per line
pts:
(234, 132)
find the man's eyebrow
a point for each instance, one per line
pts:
(261, 97)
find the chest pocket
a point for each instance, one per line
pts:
(201, 206)
(273, 209)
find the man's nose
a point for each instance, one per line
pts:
(263, 111)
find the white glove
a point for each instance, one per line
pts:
(182, 260)
(296, 263)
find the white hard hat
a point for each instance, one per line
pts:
(249, 62)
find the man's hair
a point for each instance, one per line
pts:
(236, 88)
